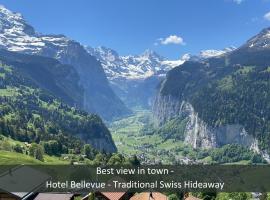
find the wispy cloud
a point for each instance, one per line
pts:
(238, 1)
(172, 39)
(267, 16)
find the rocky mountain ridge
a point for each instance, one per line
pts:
(132, 66)
(17, 35)
(145, 65)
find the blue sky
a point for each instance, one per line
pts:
(170, 27)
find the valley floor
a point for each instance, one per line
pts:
(131, 138)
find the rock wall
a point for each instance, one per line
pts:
(104, 143)
(197, 132)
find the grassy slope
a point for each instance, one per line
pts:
(13, 158)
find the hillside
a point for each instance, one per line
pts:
(32, 113)
(224, 99)
(48, 74)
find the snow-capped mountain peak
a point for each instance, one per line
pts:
(214, 53)
(150, 54)
(175, 63)
(13, 22)
(132, 66)
(262, 40)
(209, 53)
(8, 16)
(17, 35)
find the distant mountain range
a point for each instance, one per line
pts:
(135, 78)
(142, 66)
(132, 66)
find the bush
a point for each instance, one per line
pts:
(234, 153)
(52, 147)
(36, 151)
(173, 197)
(17, 148)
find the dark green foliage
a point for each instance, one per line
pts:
(102, 159)
(89, 151)
(239, 195)
(173, 197)
(17, 148)
(134, 161)
(234, 196)
(53, 147)
(206, 195)
(231, 89)
(116, 159)
(31, 114)
(36, 151)
(173, 129)
(48, 74)
(233, 153)
(244, 100)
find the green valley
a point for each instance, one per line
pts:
(135, 135)
(131, 138)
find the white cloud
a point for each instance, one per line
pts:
(238, 1)
(267, 16)
(172, 39)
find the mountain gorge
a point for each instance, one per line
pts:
(223, 99)
(134, 78)
(54, 89)
(96, 95)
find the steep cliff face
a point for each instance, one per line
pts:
(198, 133)
(166, 108)
(98, 96)
(228, 97)
(102, 143)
